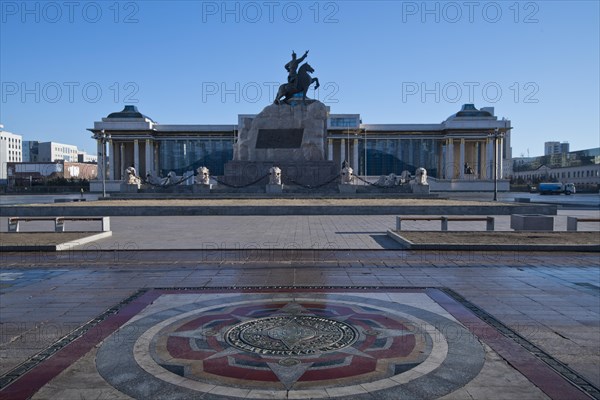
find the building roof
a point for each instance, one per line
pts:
(469, 110)
(128, 112)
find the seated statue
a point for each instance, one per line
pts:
(347, 174)
(203, 177)
(387, 180)
(421, 176)
(275, 175)
(171, 179)
(404, 177)
(152, 179)
(132, 178)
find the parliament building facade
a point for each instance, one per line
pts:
(458, 149)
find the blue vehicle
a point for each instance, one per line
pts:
(556, 188)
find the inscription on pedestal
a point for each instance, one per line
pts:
(279, 138)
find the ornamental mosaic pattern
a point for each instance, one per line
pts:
(270, 346)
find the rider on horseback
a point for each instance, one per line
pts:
(292, 67)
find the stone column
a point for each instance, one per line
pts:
(136, 155)
(481, 159)
(355, 156)
(500, 160)
(113, 162)
(155, 159)
(449, 167)
(149, 150)
(342, 150)
(121, 161)
(489, 158)
(330, 149)
(100, 160)
(462, 159)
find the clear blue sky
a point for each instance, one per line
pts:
(392, 62)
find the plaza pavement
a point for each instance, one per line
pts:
(552, 300)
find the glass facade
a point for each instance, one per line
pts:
(189, 154)
(343, 122)
(386, 156)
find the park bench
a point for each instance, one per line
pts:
(444, 221)
(573, 221)
(59, 222)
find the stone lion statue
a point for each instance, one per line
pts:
(203, 176)
(275, 175)
(347, 175)
(421, 176)
(132, 178)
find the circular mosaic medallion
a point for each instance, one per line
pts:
(268, 346)
(291, 335)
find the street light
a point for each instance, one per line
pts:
(103, 137)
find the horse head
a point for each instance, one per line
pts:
(306, 68)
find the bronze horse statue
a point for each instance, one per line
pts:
(302, 84)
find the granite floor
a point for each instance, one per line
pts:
(533, 318)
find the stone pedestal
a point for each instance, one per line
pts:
(201, 188)
(289, 137)
(420, 189)
(284, 133)
(272, 188)
(347, 188)
(127, 188)
(531, 222)
(305, 173)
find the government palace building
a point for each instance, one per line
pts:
(458, 152)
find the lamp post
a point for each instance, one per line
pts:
(103, 137)
(496, 135)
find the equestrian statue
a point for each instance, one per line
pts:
(299, 80)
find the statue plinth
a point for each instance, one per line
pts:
(284, 133)
(290, 137)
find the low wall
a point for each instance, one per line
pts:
(135, 211)
(464, 185)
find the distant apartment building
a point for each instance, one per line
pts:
(10, 150)
(555, 148)
(579, 167)
(36, 151)
(31, 151)
(84, 157)
(53, 151)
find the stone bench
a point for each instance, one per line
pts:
(444, 221)
(59, 222)
(531, 222)
(573, 221)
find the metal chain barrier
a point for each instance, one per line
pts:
(309, 186)
(240, 186)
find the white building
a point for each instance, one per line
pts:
(11, 150)
(53, 151)
(84, 157)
